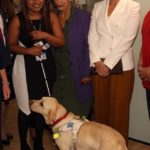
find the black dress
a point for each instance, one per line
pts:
(36, 84)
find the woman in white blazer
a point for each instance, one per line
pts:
(114, 25)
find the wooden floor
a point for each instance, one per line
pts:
(11, 124)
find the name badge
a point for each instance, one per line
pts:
(40, 43)
(41, 57)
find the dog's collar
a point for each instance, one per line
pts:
(59, 119)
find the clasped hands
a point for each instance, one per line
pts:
(102, 69)
(37, 50)
(38, 35)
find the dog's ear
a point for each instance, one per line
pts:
(52, 114)
(49, 109)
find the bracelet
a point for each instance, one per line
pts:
(5, 82)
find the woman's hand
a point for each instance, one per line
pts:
(35, 50)
(101, 69)
(6, 90)
(85, 80)
(38, 35)
(144, 73)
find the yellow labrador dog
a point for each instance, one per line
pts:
(72, 133)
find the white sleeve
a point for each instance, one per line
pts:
(93, 38)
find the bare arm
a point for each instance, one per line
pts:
(144, 72)
(57, 38)
(5, 84)
(14, 31)
(101, 69)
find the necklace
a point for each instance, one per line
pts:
(39, 26)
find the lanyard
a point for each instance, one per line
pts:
(34, 27)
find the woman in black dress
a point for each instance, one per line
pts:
(32, 34)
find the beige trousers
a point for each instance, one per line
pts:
(112, 96)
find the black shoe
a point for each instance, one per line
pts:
(1, 145)
(5, 142)
(9, 136)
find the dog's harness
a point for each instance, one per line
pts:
(72, 126)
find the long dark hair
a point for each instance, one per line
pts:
(7, 7)
(50, 4)
(44, 12)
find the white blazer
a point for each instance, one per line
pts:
(111, 37)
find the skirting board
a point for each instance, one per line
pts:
(146, 143)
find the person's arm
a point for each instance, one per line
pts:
(14, 31)
(57, 38)
(145, 73)
(93, 37)
(140, 62)
(5, 84)
(144, 63)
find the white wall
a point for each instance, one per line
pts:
(139, 120)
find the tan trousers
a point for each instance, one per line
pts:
(112, 96)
